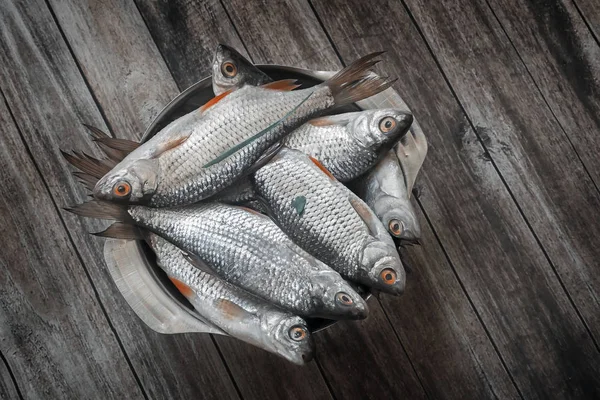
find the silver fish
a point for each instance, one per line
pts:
(214, 147)
(385, 192)
(327, 220)
(236, 312)
(245, 248)
(231, 71)
(350, 144)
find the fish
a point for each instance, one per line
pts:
(329, 221)
(349, 144)
(243, 247)
(233, 310)
(191, 160)
(385, 192)
(231, 71)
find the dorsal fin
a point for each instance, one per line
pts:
(182, 287)
(322, 167)
(284, 85)
(214, 101)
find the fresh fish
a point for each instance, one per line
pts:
(385, 192)
(327, 220)
(231, 71)
(350, 144)
(236, 312)
(245, 248)
(212, 148)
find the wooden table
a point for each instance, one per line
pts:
(503, 297)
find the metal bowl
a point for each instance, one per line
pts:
(132, 264)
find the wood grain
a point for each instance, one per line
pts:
(54, 333)
(50, 99)
(543, 343)
(590, 11)
(562, 57)
(526, 143)
(187, 32)
(8, 390)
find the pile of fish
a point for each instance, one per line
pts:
(245, 204)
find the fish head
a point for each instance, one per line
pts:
(400, 220)
(379, 130)
(130, 182)
(290, 338)
(231, 70)
(339, 299)
(382, 267)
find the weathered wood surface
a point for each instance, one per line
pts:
(8, 388)
(505, 273)
(502, 298)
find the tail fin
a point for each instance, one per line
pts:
(88, 164)
(356, 82)
(124, 228)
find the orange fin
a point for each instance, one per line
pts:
(284, 85)
(230, 309)
(322, 167)
(182, 287)
(250, 210)
(214, 101)
(169, 145)
(323, 121)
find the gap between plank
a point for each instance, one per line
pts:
(552, 266)
(585, 168)
(237, 32)
(12, 376)
(585, 21)
(438, 240)
(85, 270)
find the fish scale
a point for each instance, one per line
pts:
(248, 250)
(329, 227)
(251, 319)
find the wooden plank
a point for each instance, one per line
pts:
(526, 143)
(187, 33)
(562, 57)
(543, 343)
(53, 330)
(590, 10)
(8, 390)
(50, 99)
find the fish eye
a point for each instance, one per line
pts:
(387, 124)
(344, 299)
(229, 69)
(121, 189)
(388, 275)
(396, 227)
(298, 333)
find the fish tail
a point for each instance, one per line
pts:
(123, 228)
(356, 82)
(115, 149)
(88, 164)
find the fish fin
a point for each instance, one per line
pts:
(182, 287)
(250, 210)
(253, 138)
(322, 167)
(120, 230)
(89, 165)
(265, 158)
(368, 217)
(214, 101)
(123, 145)
(356, 82)
(322, 121)
(199, 263)
(102, 210)
(169, 145)
(87, 180)
(284, 85)
(231, 310)
(99, 136)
